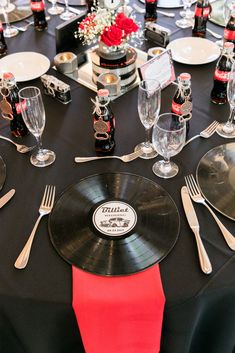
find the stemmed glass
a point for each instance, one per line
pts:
(169, 133)
(149, 102)
(227, 129)
(187, 15)
(9, 31)
(33, 114)
(55, 9)
(67, 15)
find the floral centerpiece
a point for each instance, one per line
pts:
(112, 31)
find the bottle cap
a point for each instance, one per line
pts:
(185, 76)
(103, 93)
(228, 45)
(8, 76)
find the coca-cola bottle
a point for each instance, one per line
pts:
(38, 9)
(3, 46)
(182, 100)
(17, 125)
(202, 12)
(103, 123)
(150, 10)
(229, 31)
(221, 75)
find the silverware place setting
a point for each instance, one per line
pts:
(44, 209)
(206, 133)
(7, 197)
(197, 197)
(125, 158)
(20, 148)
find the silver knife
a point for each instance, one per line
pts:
(4, 199)
(194, 225)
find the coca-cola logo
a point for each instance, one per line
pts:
(37, 6)
(221, 75)
(202, 11)
(21, 106)
(229, 35)
(176, 108)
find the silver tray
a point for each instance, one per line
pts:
(216, 178)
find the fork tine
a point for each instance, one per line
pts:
(213, 126)
(44, 195)
(192, 184)
(52, 196)
(189, 185)
(47, 201)
(195, 184)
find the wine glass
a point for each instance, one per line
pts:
(149, 102)
(187, 15)
(33, 114)
(9, 31)
(169, 133)
(55, 9)
(67, 15)
(227, 129)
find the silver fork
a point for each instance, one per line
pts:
(125, 158)
(44, 209)
(206, 133)
(20, 148)
(197, 197)
(25, 27)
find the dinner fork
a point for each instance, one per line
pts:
(196, 196)
(125, 158)
(20, 148)
(44, 209)
(206, 133)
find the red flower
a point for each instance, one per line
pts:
(111, 36)
(126, 24)
(88, 21)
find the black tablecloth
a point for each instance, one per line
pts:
(35, 304)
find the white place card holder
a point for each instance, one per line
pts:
(160, 67)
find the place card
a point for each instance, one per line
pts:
(160, 67)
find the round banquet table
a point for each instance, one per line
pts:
(36, 312)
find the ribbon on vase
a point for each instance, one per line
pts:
(119, 314)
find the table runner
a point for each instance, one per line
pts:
(119, 314)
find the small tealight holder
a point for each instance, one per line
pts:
(66, 62)
(111, 82)
(155, 51)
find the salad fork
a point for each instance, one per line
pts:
(206, 133)
(196, 196)
(44, 209)
(20, 148)
(125, 158)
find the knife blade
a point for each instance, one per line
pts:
(194, 225)
(4, 199)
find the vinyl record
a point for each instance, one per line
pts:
(17, 10)
(2, 172)
(114, 224)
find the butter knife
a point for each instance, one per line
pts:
(194, 225)
(4, 199)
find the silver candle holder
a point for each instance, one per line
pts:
(66, 62)
(111, 82)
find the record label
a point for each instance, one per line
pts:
(114, 218)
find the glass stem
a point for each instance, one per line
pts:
(39, 143)
(5, 14)
(231, 116)
(66, 6)
(147, 137)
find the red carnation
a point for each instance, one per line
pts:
(126, 24)
(111, 36)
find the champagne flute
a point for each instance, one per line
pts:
(9, 31)
(187, 15)
(227, 129)
(55, 9)
(149, 102)
(33, 114)
(169, 133)
(67, 15)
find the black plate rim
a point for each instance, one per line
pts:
(130, 273)
(2, 170)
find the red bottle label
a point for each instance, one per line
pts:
(1, 26)
(202, 11)
(229, 35)
(221, 75)
(20, 107)
(37, 6)
(151, 1)
(176, 108)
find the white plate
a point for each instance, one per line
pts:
(25, 65)
(169, 4)
(194, 50)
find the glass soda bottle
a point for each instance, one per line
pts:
(150, 10)
(182, 100)
(229, 31)
(17, 125)
(202, 12)
(3, 46)
(38, 9)
(103, 123)
(221, 75)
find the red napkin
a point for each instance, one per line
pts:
(119, 314)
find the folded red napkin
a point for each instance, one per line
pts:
(119, 314)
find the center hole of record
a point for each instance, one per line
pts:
(114, 218)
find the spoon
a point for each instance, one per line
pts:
(216, 35)
(24, 28)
